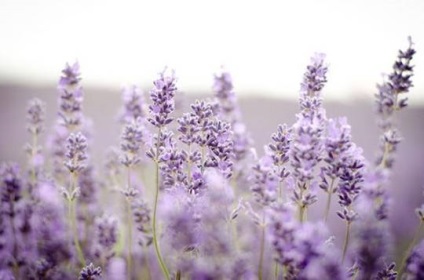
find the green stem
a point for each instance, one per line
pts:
(261, 254)
(408, 251)
(154, 227)
(330, 193)
(276, 270)
(73, 221)
(346, 241)
(130, 228)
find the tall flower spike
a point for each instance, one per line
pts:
(398, 82)
(76, 152)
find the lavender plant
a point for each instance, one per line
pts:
(206, 205)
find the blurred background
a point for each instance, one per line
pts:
(266, 46)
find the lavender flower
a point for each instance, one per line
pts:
(415, 263)
(388, 273)
(302, 248)
(350, 184)
(131, 142)
(221, 148)
(134, 104)
(11, 183)
(265, 182)
(90, 273)
(70, 99)
(278, 150)
(229, 111)
(388, 102)
(162, 96)
(398, 82)
(35, 116)
(371, 242)
(71, 75)
(76, 152)
(142, 219)
(106, 236)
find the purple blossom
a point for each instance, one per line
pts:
(415, 263)
(70, 75)
(11, 183)
(162, 96)
(264, 182)
(90, 272)
(220, 147)
(142, 219)
(36, 116)
(398, 82)
(188, 127)
(106, 236)
(229, 111)
(350, 182)
(76, 152)
(134, 104)
(131, 142)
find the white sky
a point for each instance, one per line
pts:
(264, 44)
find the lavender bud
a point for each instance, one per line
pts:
(76, 152)
(162, 96)
(90, 273)
(36, 115)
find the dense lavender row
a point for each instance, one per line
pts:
(189, 198)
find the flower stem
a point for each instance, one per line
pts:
(130, 228)
(155, 235)
(346, 241)
(262, 249)
(330, 193)
(73, 221)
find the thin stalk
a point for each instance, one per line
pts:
(261, 253)
(130, 229)
(155, 206)
(410, 247)
(276, 270)
(73, 222)
(330, 193)
(146, 264)
(346, 241)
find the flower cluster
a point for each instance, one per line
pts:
(206, 205)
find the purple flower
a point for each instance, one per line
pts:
(106, 236)
(36, 115)
(415, 263)
(398, 82)
(11, 183)
(229, 111)
(265, 182)
(76, 152)
(141, 216)
(70, 75)
(90, 272)
(134, 104)
(162, 96)
(188, 127)
(220, 147)
(131, 142)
